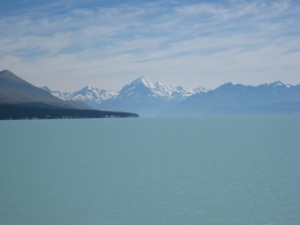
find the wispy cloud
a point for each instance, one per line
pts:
(172, 41)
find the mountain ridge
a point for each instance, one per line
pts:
(152, 99)
(15, 90)
(232, 98)
(141, 95)
(20, 99)
(89, 95)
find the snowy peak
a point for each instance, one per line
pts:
(141, 95)
(200, 89)
(143, 88)
(148, 98)
(87, 88)
(142, 79)
(91, 96)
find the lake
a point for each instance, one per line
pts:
(151, 171)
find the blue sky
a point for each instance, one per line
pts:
(106, 44)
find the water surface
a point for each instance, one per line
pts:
(154, 171)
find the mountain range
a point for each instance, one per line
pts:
(14, 90)
(146, 98)
(89, 95)
(141, 96)
(20, 99)
(156, 99)
(230, 99)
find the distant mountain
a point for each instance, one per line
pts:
(274, 98)
(20, 99)
(141, 96)
(89, 95)
(147, 98)
(144, 88)
(152, 99)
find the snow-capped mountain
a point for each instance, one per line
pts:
(273, 98)
(141, 96)
(91, 96)
(144, 88)
(148, 98)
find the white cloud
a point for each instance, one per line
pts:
(198, 44)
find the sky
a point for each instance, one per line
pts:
(69, 44)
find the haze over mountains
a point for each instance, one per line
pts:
(156, 99)
(230, 99)
(141, 96)
(20, 99)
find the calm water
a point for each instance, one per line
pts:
(210, 170)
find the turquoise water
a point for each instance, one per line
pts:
(158, 171)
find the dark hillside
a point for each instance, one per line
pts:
(14, 90)
(21, 100)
